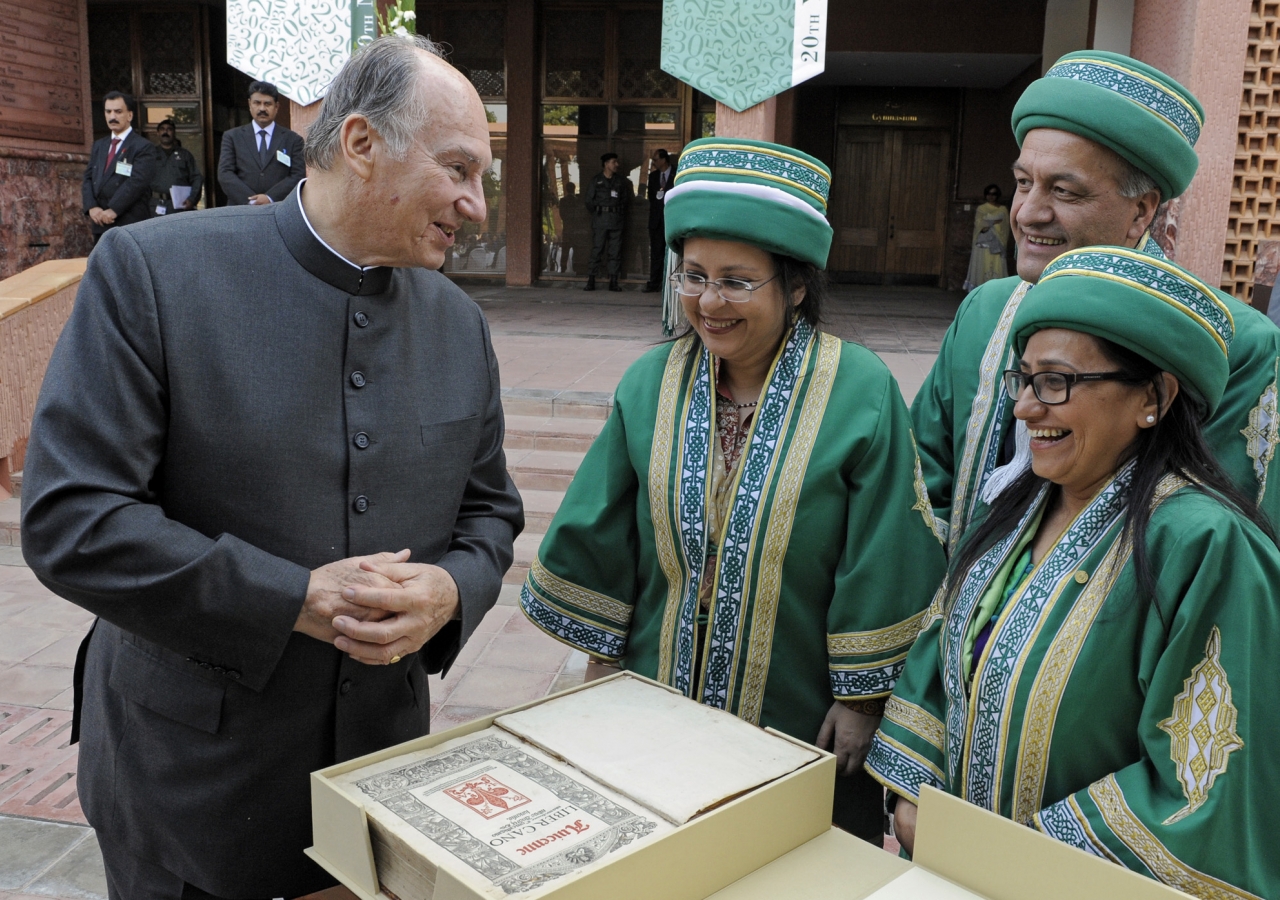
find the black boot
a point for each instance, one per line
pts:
(591, 283)
(613, 283)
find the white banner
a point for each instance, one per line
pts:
(809, 42)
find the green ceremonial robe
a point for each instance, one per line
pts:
(1089, 721)
(962, 414)
(828, 557)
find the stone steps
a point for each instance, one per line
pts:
(543, 470)
(10, 511)
(557, 433)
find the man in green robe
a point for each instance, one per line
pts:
(1138, 728)
(818, 551)
(1105, 139)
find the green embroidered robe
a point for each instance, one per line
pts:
(1087, 721)
(827, 560)
(962, 414)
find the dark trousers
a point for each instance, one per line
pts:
(130, 877)
(657, 253)
(601, 236)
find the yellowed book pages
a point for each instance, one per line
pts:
(655, 747)
(506, 817)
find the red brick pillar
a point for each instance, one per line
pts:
(520, 176)
(301, 116)
(1202, 45)
(757, 122)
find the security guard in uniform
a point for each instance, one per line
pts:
(177, 168)
(607, 198)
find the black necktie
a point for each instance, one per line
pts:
(262, 147)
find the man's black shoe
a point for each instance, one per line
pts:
(591, 283)
(613, 284)
(651, 289)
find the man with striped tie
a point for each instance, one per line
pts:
(117, 181)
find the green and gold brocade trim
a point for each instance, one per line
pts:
(1130, 832)
(592, 622)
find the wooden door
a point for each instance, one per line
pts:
(860, 200)
(888, 203)
(917, 203)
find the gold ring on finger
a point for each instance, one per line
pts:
(394, 660)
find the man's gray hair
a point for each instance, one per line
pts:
(1133, 182)
(382, 82)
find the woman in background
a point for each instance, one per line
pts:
(990, 239)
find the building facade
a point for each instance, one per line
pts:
(912, 115)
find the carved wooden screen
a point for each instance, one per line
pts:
(1256, 182)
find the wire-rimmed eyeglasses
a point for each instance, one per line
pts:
(731, 290)
(1053, 388)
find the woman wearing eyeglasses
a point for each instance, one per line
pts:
(1103, 667)
(751, 525)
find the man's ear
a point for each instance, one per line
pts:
(357, 140)
(1144, 213)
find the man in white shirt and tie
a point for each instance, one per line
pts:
(260, 162)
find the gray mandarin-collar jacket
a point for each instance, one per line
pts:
(202, 441)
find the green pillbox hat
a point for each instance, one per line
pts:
(1151, 306)
(1139, 112)
(767, 195)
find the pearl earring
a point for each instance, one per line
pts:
(1150, 419)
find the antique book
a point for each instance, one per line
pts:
(520, 805)
(515, 818)
(657, 748)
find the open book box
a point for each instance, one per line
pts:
(962, 853)
(621, 788)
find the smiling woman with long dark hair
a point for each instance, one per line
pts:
(751, 526)
(1101, 665)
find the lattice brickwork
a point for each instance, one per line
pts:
(1255, 187)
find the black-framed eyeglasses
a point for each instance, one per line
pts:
(731, 290)
(1053, 388)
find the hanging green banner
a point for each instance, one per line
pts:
(742, 52)
(364, 22)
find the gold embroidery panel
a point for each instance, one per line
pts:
(1263, 433)
(1202, 729)
(781, 520)
(664, 434)
(1031, 769)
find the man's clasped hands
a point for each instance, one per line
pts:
(377, 609)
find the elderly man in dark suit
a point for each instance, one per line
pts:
(117, 181)
(261, 162)
(285, 498)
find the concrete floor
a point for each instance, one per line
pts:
(551, 338)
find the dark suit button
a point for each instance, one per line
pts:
(232, 673)
(345, 687)
(362, 441)
(357, 378)
(362, 504)
(361, 319)
(220, 670)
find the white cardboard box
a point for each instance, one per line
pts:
(691, 862)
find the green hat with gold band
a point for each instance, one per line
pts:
(767, 195)
(1151, 306)
(1139, 112)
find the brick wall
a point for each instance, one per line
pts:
(40, 211)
